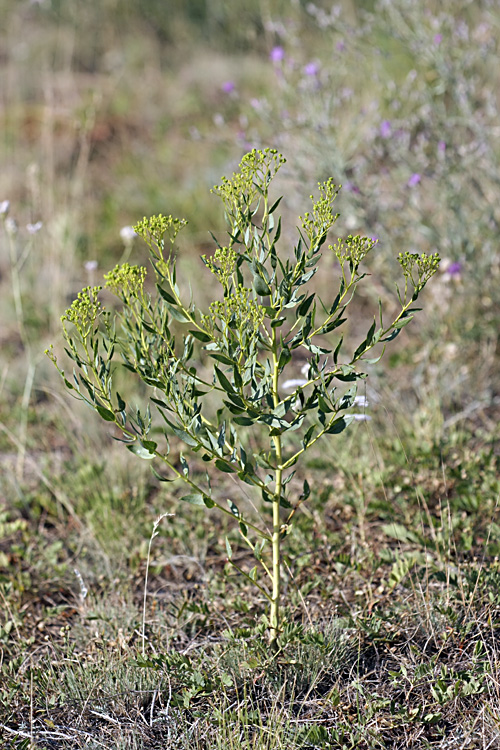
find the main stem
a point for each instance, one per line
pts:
(276, 567)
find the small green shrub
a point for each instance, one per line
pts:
(224, 378)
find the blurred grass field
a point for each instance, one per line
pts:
(115, 110)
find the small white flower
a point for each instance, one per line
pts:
(127, 234)
(361, 401)
(361, 417)
(90, 265)
(34, 228)
(4, 208)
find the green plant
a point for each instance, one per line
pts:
(220, 388)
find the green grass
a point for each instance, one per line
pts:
(392, 572)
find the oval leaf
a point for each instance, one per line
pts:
(195, 498)
(140, 450)
(106, 414)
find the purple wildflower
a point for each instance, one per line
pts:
(438, 38)
(414, 180)
(277, 54)
(385, 129)
(454, 269)
(442, 146)
(351, 187)
(228, 87)
(311, 69)
(340, 46)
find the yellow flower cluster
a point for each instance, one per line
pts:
(126, 281)
(154, 229)
(425, 265)
(353, 250)
(239, 311)
(322, 217)
(84, 311)
(256, 167)
(222, 264)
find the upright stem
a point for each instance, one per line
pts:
(276, 567)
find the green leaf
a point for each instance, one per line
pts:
(339, 425)
(285, 357)
(275, 205)
(166, 296)
(329, 327)
(184, 436)
(159, 402)
(225, 383)
(208, 502)
(326, 408)
(305, 305)
(224, 466)
(402, 322)
(391, 336)
(243, 421)
(228, 549)
(221, 358)
(261, 286)
(249, 477)
(160, 477)
(266, 496)
(253, 573)
(306, 490)
(141, 451)
(184, 465)
(195, 498)
(243, 529)
(233, 408)
(308, 436)
(106, 414)
(201, 336)
(177, 313)
(233, 508)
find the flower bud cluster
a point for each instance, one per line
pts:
(258, 166)
(238, 311)
(126, 281)
(322, 218)
(222, 264)
(419, 268)
(155, 227)
(353, 250)
(84, 311)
